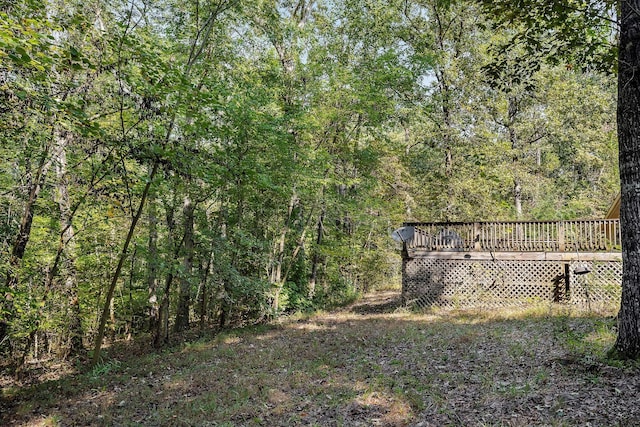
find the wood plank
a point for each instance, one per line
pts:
(521, 256)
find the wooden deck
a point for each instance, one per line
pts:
(504, 263)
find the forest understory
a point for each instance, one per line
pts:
(371, 363)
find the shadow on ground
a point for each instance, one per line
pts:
(378, 303)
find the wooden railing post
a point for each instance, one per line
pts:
(477, 245)
(561, 244)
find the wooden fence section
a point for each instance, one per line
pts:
(601, 235)
(497, 264)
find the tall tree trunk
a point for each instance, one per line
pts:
(152, 263)
(512, 114)
(73, 319)
(205, 270)
(225, 306)
(517, 197)
(202, 292)
(316, 259)
(65, 255)
(19, 247)
(161, 333)
(184, 294)
(278, 252)
(628, 342)
(123, 255)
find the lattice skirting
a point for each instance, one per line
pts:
(446, 283)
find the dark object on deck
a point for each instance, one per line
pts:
(403, 234)
(581, 269)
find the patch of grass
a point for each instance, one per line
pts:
(105, 368)
(585, 338)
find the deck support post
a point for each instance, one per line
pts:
(567, 282)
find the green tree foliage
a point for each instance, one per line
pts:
(579, 34)
(223, 162)
(481, 150)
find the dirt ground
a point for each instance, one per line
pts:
(374, 363)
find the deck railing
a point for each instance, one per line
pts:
(532, 236)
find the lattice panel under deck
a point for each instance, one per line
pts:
(431, 282)
(600, 288)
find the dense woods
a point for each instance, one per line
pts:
(168, 165)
